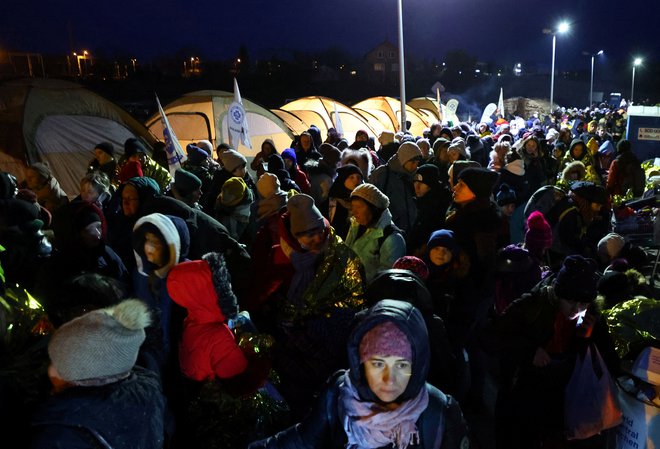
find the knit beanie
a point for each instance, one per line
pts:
(458, 144)
(577, 279)
(505, 195)
(86, 214)
(610, 246)
(623, 146)
(457, 167)
(133, 146)
(268, 185)
(42, 169)
(386, 137)
(446, 239)
(195, 154)
(186, 182)
(100, 344)
(606, 148)
(439, 143)
(205, 145)
(303, 214)
(347, 170)
(408, 151)
(131, 169)
(330, 154)
(590, 191)
(290, 154)
(385, 340)
(539, 234)
(479, 180)
(106, 147)
(233, 191)
(232, 159)
(429, 174)
(372, 195)
(413, 264)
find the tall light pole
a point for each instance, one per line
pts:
(402, 71)
(561, 28)
(636, 62)
(591, 86)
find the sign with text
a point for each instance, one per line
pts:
(648, 133)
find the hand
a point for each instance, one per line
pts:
(286, 248)
(587, 325)
(541, 358)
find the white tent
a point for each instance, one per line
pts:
(59, 122)
(319, 111)
(202, 115)
(388, 111)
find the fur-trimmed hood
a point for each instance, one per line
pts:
(360, 158)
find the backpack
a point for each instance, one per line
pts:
(544, 200)
(387, 231)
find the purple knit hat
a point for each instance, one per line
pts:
(386, 340)
(414, 264)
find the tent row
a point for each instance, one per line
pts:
(60, 122)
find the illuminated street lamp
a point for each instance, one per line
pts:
(402, 72)
(561, 28)
(591, 88)
(636, 62)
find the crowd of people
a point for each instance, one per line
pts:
(374, 292)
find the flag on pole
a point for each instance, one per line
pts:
(237, 122)
(500, 103)
(437, 94)
(338, 126)
(175, 154)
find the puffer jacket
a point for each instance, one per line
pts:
(395, 182)
(441, 424)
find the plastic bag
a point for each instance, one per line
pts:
(591, 404)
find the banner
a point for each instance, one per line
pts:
(338, 126)
(450, 112)
(175, 154)
(237, 122)
(488, 111)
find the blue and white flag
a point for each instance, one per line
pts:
(175, 154)
(237, 122)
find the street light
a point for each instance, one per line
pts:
(636, 62)
(591, 88)
(402, 73)
(561, 28)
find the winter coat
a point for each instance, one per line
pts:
(51, 196)
(395, 182)
(122, 415)
(321, 178)
(431, 210)
(620, 176)
(208, 349)
(375, 253)
(441, 424)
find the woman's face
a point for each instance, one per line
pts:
(508, 209)
(462, 193)
(88, 193)
(130, 200)
(388, 376)
(239, 172)
(305, 142)
(421, 189)
(532, 148)
(440, 256)
(361, 212)
(288, 163)
(577, 151)
(154, 249)
(452, 156)
(352, 181)
(33, 180)
(312, 240)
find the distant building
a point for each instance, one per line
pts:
(382, 63)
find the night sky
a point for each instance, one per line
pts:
(502, 31)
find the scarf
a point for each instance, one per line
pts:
(304, 264)
(369, 425)
(269, 206)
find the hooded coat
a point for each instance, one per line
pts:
(395, 182)
(440, 425)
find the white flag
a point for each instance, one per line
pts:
(175, 154)
(338, 125)
(500, 103)
(488, 111)
(237, 122)
(437, 93)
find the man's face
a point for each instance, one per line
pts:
(130, 201)
(411, 165)
(462, 193)
(239, 172)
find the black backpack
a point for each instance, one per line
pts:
(387, 231)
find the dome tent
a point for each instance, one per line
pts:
(59, 122)
(388, 112)
(202, 115)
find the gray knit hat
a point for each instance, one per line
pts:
(408, 151)
(101, 344)
(232, 159)
(371, 194)
(304, 215)
(458, 144)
